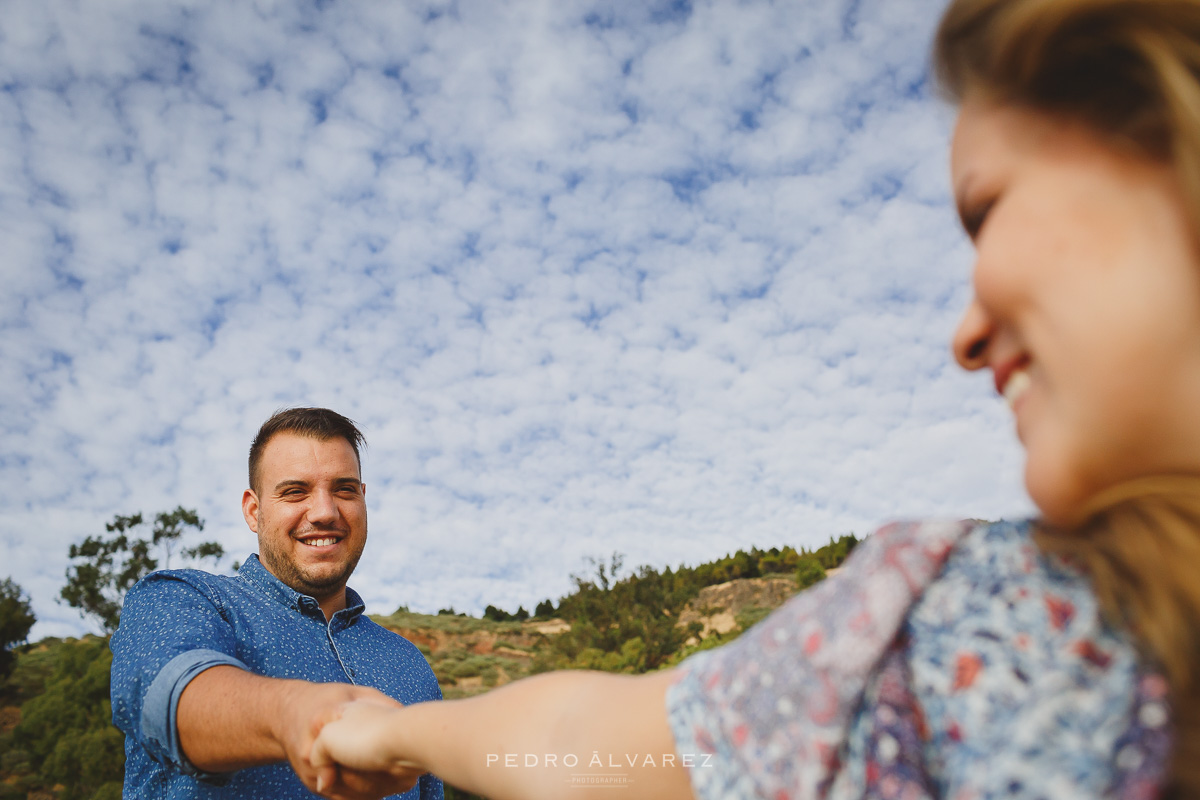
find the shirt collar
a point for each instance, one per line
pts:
(255, 573)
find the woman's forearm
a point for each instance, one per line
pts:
(536, 737)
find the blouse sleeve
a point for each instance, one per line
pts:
(766, 715)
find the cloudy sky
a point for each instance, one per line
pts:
(661, 278)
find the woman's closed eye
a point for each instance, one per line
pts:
(974, 213)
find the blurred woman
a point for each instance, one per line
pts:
(1051, 658)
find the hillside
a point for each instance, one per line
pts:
(471, 655)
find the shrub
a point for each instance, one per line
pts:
(747, 618)
(809, 572)
(66, 730)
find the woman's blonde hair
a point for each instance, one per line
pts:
(1130, 70)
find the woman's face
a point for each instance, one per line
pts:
(1086, 305)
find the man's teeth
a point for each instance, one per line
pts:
(328, 540)
(1018, 382)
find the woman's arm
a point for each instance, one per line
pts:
(530, 739)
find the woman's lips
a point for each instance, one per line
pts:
(1017, 384)
(1003, 372)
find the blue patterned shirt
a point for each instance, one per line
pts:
(177, 623)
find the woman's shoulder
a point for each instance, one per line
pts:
(1002, 561)
(998, 592)
(1019, 675)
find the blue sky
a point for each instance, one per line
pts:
(660, 278)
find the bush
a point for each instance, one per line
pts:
(109, 791)
(747, 618)
(35, 664)
(66, 730)
(471, 667)
(15, 760)
(809, 572)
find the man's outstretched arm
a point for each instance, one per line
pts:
(180, 691)
(229, 719)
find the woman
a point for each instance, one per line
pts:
(1049, 659)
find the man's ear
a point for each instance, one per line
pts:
(362, 488)
(250, 509)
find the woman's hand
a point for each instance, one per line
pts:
(363, 738)
(468, 742)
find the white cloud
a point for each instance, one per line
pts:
(593, 277)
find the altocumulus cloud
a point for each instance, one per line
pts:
(662, 278)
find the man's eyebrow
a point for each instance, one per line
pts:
(347, 480)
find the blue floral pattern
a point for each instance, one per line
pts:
(943, 660)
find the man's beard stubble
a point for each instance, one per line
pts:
(287, 572)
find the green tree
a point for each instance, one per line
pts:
(66, 734)
(834, 553)
(16, 618)
(500, 615)
(104, 568)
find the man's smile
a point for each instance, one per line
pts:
(324, 541)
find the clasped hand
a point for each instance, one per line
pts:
(353, 756)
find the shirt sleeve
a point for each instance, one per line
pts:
(767, 715)
(171, 630)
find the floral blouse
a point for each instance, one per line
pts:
(948, 660)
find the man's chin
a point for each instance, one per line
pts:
(321, 585)
(314, 583)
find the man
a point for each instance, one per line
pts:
(221, 683)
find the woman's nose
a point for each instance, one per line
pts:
(972, 338)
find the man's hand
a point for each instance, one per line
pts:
(229, 719)
(305, 711)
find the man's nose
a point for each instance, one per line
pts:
(974, 334)
(322, 508)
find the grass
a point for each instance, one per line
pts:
(444, 622)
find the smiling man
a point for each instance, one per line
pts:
(219, 683)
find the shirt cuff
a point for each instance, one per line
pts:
(160, 733)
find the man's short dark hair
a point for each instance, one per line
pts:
(315, 423)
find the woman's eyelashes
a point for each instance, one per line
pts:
(974, 213)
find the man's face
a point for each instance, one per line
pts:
(309, 511)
